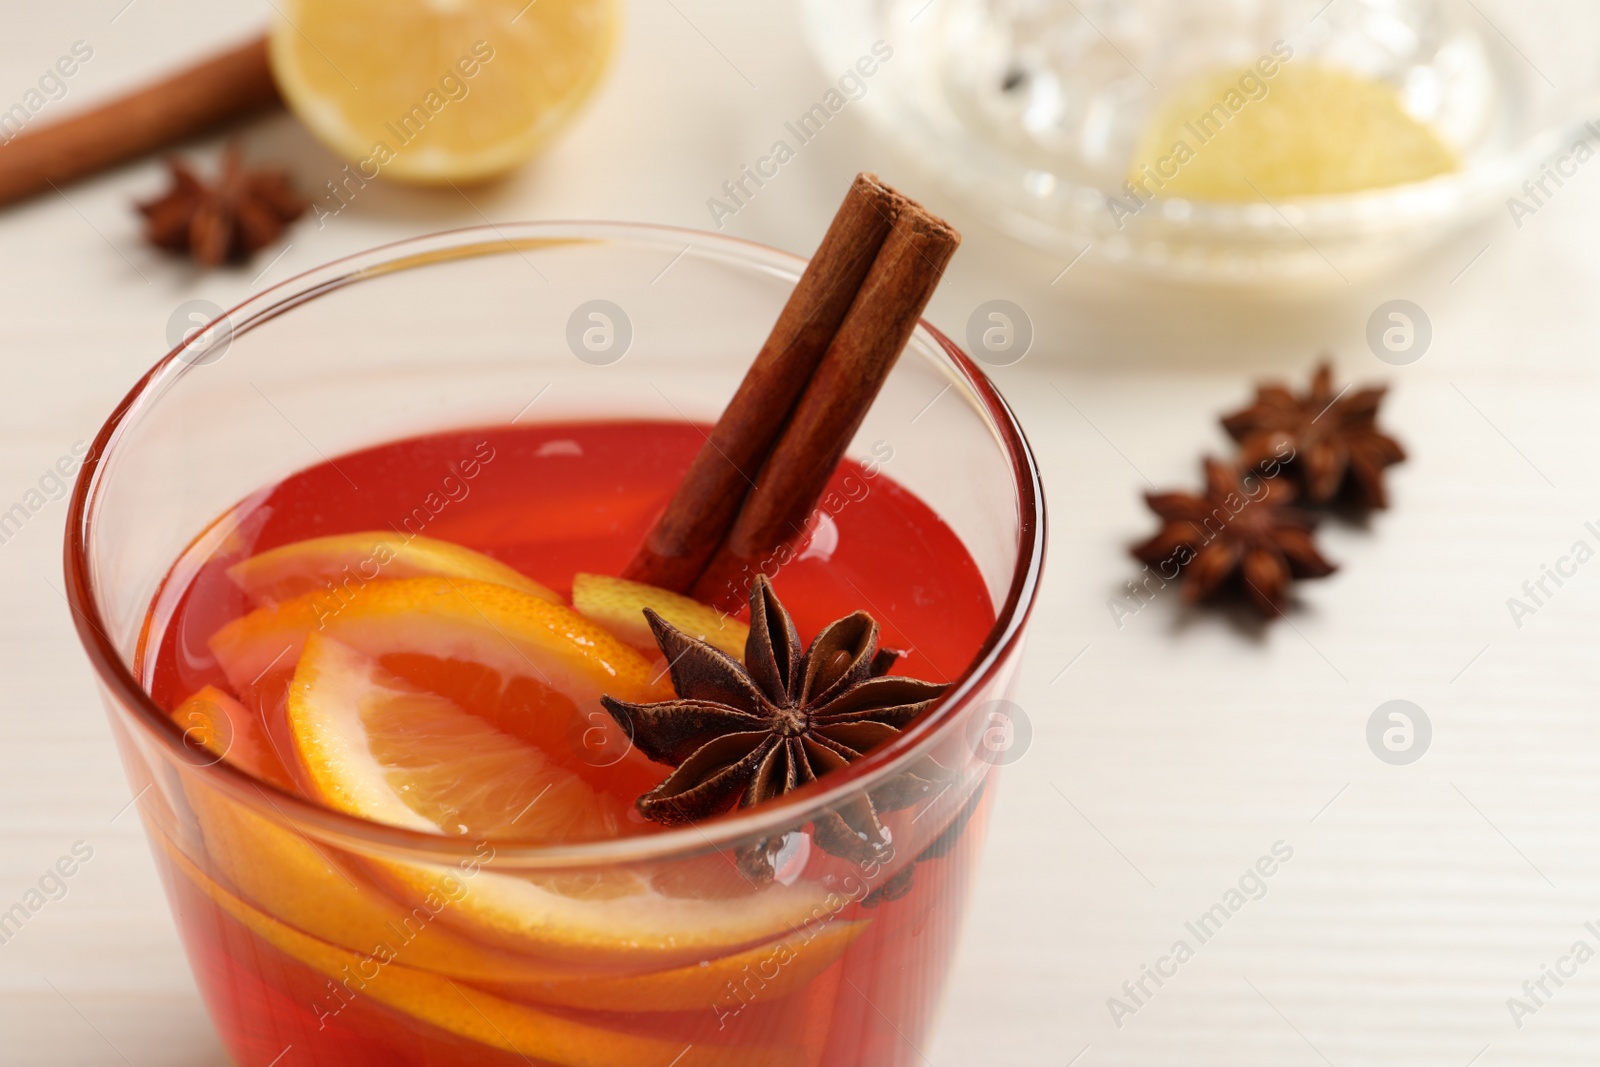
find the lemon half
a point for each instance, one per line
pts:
(437, 91)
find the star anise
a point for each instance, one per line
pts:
(245, 210)
(1335, 437)
(1241, 527)
(743, 734)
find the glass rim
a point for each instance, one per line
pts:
(135, 702)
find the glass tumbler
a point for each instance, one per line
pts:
(319, 938)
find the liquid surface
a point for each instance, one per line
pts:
(554, 500)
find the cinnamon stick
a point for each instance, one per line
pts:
(702, 512)
(847, 380)
(188, 103)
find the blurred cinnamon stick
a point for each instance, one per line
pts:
(188, 103)
(708, 500)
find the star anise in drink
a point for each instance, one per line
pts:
(1337, 445)
(741, 734)
(229, 220)
(1239, 534)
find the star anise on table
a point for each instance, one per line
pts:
(230, 219)
(1239, 533)
(740, 734)
(1337, 445)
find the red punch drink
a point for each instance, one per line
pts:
(351, 962)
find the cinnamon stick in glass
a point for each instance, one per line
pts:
(879, 323)
(702, 512)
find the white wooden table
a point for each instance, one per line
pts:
(1168, 754)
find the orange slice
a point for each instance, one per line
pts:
(474, 1014)
(375, 746)
(284, 874)
(214, 721)
(779, 968)
(343, 564)
(617, 917)
(518, 634)
(533, 669)
(306, 886)
(618, 605)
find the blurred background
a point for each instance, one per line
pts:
(1167, 749)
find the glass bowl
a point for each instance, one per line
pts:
(1031, 110)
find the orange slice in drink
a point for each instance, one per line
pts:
(616, 918)
(301, 884)
(533, 669)
(378, 747)
(344, 563)
(618, 605)
(514, 632)
(472, 1013)
(314, 889)
(214, 721)
(279, 871)
(762, 974)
